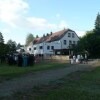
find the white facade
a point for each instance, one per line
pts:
(70, 37)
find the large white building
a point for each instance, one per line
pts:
(54, 43)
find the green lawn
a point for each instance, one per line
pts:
(8, 72)
(76, 86)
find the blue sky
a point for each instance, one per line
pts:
(20, 17)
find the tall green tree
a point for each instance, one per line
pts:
(1, 38)
(37, 36)
(1, 49)
(29, 38)
(4, 49)
(18, 46)
(97, 25)
(1, 44)
(90, 42)
(12, 45)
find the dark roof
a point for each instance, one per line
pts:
(36, 40)
(40, 40)
(57, 35)
(53, 37)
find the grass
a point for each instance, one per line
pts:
(76, 86)
(8, 72)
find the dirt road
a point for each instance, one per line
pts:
(39, 78)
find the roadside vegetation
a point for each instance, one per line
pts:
(7, 72)
(75, 86)
(90, 42)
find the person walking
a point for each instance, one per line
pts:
(81, 59)
(78, 58)
(74, 59)
(85, 58)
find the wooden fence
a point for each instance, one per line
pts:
(58, 58)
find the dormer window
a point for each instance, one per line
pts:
(69, 34)
(73, 35)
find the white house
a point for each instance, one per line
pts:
(54, 43)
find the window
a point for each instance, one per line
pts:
(41, 47)
(52, 47)
(70, 42)
(73, 35)
(29, 49)
(73, 42)
(65, 42)
(69, 34)
(34, 48)
(48, 47)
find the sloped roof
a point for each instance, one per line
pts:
(53, 37)
(36, 40)
(40, 40)
(57, 35)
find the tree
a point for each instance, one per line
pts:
(1, 49)
(43, 35)
(18, 46)
(97, 25)
(29, 38)
(1, 38)
(1, 44)
(51, 33)
(4, 49)
(37, 36)
(12, 45)
(47, 34)
(90, 42)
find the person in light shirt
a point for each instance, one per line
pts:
(74, 59)
(78, 59)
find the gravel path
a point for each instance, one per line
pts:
(39, 78)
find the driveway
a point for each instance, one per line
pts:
(39, 78)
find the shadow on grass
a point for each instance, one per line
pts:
(75, 86)
(8, 72)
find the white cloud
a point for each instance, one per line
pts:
(40, 23)
(11, 10)
(37, 22)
